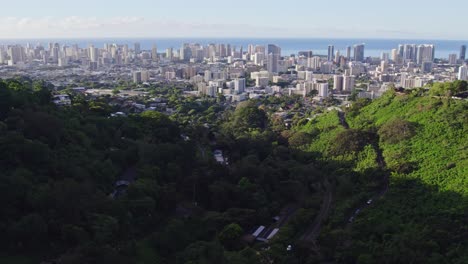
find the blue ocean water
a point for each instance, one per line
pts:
(373, 47)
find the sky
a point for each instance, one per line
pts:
(405, 19)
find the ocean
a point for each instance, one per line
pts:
(319, 46)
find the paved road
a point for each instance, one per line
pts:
(314, 230)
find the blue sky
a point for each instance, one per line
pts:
(239, 18)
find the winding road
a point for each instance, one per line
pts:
(314, 230)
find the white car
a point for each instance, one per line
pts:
(370, 201)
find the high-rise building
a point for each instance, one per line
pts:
(274, 49)
(169, 54)
(314, 62)
(274, 54)
(401, 50)
(463, 52)
(272, 63)
(463, 73)
(239, 85)
(426, 66)
(208, 76)
(384, 66)
(425, 53)
(185, 52)
(2, 57)
(145, 76)
(359, 52)
(251, 49)
(93, 53)
(228, 50)
(154, 52)
(452, 59)
(395, 56)
(55, 52)
(348, 53)
(137, 48)
(16, 54)
(323, 90)
(384, 56)
(338, 82)
(331, 52)
(137, 77)
(403, 78)
(337, 57)
(348, 83)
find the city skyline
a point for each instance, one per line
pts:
(207, 18)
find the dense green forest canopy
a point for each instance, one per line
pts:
(63, 168)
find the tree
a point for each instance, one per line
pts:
(230, 236)
(299, 139)
(396, 130)
(351, 140)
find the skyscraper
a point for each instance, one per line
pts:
(137, 48)
(348, 83)
(331, 52)
(154, 52)
(274, 53)
(463, 73)
(93, 53)
(401, 50)
(452, 59)
(239, 85)
(348, 52)
(137, 77)
(463, 52)
(359, 52)
(185, 52)
(338, 82)
(169, 54)
(425, 53)
(272, 63)
(337, 57)
(274, 49)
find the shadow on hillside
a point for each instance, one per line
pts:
(412, 223)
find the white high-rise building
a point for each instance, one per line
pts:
(425, 53)
(93, 53)
(169, 54)
(323, 90)
(348, 83)
(314, 62)
(239, 85)
(384, 66)
(463, 73)
(259, 58)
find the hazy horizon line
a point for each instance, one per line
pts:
(244, 38)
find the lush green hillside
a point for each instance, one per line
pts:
(422, 218)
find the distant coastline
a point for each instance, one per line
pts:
(374, 46)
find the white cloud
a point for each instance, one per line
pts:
(134, 26)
